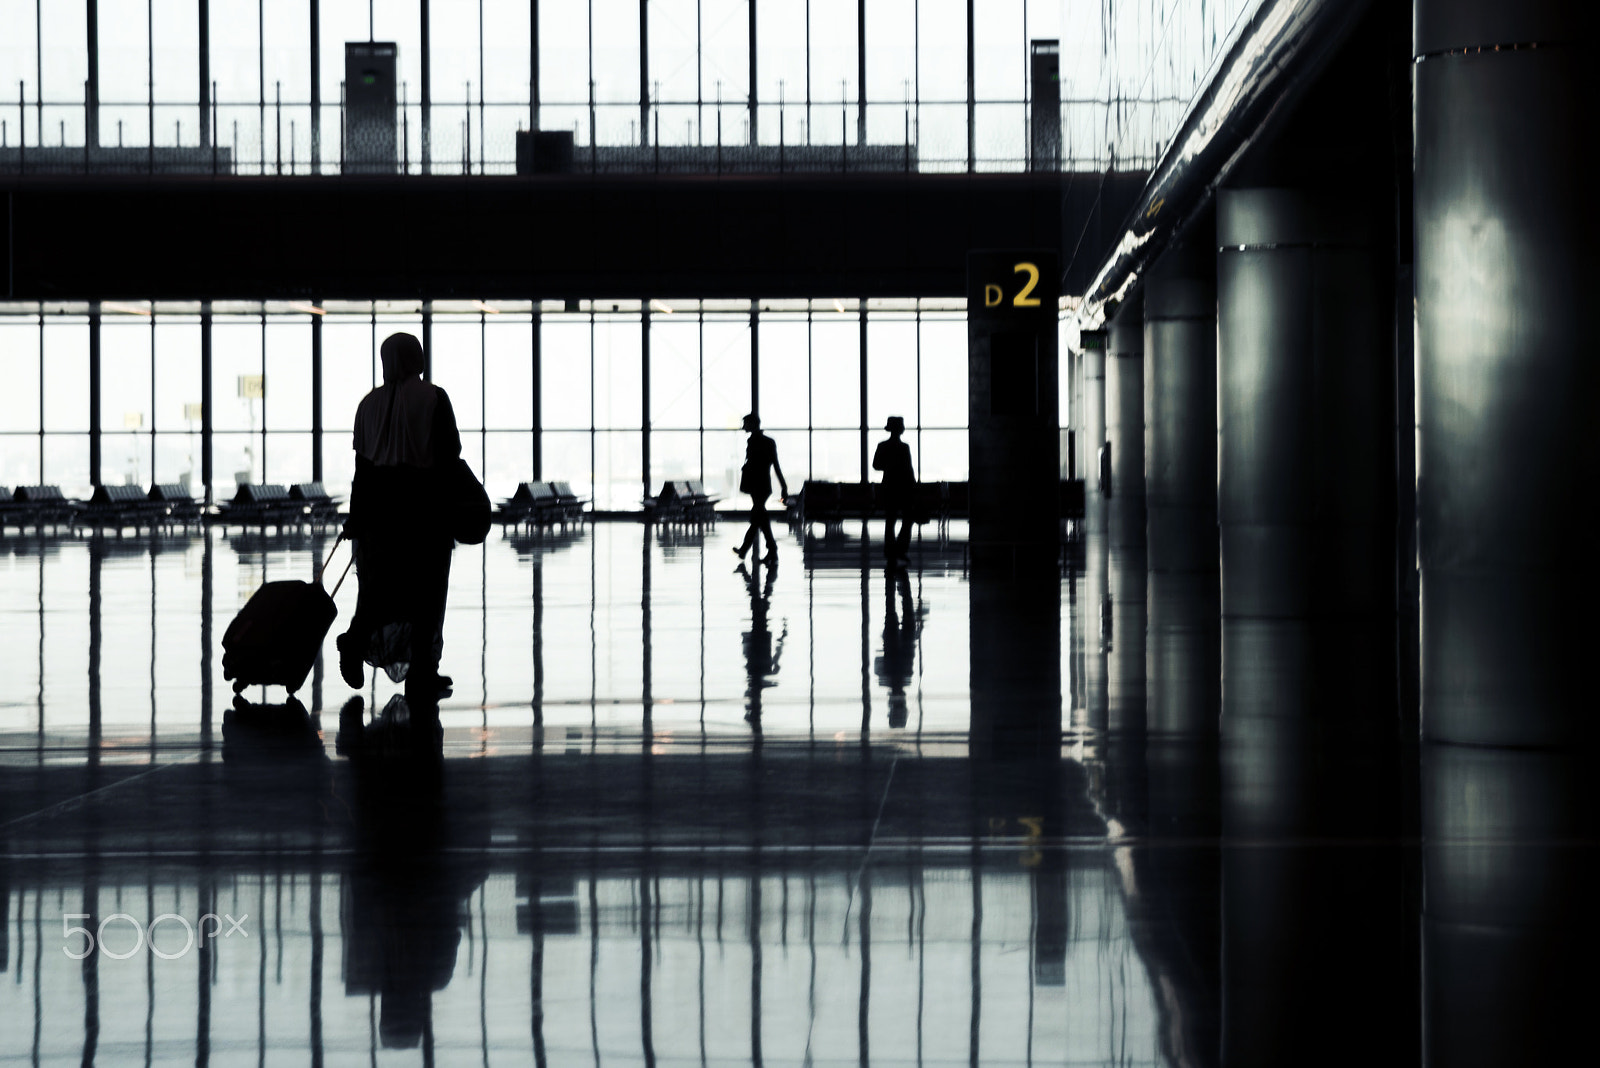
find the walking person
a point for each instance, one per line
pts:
(760, 454)
(406, 443)
(893, 458)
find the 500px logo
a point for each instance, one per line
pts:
(143, 935)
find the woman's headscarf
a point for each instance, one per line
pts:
(394, 423)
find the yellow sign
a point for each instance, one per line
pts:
(132, 420)
(1022, 300)
(194, 412)
(252, 387)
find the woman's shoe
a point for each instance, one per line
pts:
(349, 661)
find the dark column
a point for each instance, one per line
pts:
(205, 400)
(972, 93)
(91, 91)
(644, 73)
(1180, 389)
(861, 72)
(205, 71)
(537, 342)
(316, 96)
(1505, 374)
(1305, 463)
(752, 138)
(316, 396)
(1125, 557)
(1091, 436)
(1125, 428)
(644, 399)
(1505, 519)
(1013, 444)
(861, 419)
(427, 93)
(533, 70)
(1183, 653)
(427, 340)
(94, 393)
(1305, 507)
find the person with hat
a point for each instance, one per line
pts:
(760, 455)
(893, 458)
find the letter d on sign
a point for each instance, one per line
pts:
(991, 295)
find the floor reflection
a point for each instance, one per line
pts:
(1061, 816)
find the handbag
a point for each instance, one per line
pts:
(467, 504)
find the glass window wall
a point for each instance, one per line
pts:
(682, 77)
(572, 380)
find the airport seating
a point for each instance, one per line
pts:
(117, 508)
(260, 505)
(317, 508)
(570, 503)
(174, 505)
(537, 506)
(830, 503)
(681, 503)
(38, 507)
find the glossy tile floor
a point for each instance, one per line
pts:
(683, 816)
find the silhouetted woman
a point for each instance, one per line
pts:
(760, 453)
(893, 458)
(405, 441)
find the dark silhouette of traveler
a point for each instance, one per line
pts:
(893, 458)
(760, 453)
(902, 629)
(1105, 469)
(760, 656)
(405, 441)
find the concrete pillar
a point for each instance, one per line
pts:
(1305, 444)
(1506, 373)
(1092, 424)
(1305, 505)
(1183, 654)
(1180, 398)
(1506, 514)
(1124, 404)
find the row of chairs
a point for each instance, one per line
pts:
(269, 504)
(539, 506)
(830, 503)
(165, 506)
(682, 503)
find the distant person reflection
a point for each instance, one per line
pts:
(893, 458)
(760, 656)
(760, 453)
(902, 630)
(405, 439)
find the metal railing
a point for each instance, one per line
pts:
(478, 137)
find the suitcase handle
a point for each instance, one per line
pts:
(345, 574)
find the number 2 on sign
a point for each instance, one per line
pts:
(1022, 300)
(992, 293)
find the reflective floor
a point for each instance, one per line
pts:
(685, 815)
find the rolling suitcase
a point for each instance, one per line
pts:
(276, 636)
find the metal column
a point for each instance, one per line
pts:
(206, 422)
(1183, 654)
(1506, 376)
(1124, 389)
(1305, 449)
(1506, 512)
(316, 395)
(94, 393)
